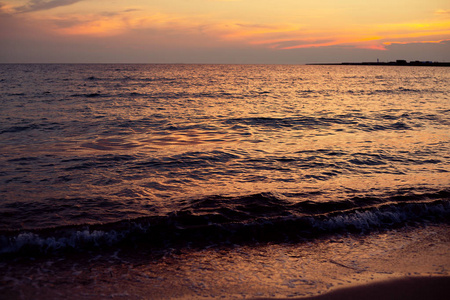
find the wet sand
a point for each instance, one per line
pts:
(408, 263)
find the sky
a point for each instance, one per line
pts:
(223, 31)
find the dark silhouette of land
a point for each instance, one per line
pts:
(399, 62)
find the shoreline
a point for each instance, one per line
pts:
(392, 63)
(395, 262)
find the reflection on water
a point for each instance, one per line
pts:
(144, 138)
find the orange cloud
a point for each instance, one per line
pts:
(6, 8)
(442, 12)
(207, 30)
(102, 27)
(375, 37)
(244, 31)
(416, 42)
(118, 23)
(362, 43)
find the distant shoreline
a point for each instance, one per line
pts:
(391, 63)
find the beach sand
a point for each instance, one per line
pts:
(407, 263)
(411, 288)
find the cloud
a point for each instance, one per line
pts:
(119, 30)
(177, 29)
(372, 36)
(137, 36)
(37, 5)
(275, 35)
(6, 9)
(418, 42)
(442, 12)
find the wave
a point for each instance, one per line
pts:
(91, 95)
(237, 220)
(44, 126)
(306, 122)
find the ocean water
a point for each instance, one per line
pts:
(163, 156)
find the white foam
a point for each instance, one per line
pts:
(45, 244)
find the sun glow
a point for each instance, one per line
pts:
(95, 28)
(245, 24)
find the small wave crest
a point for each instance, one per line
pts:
(241, 220)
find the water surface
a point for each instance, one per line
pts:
(220, 148)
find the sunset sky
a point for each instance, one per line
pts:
(223, 31)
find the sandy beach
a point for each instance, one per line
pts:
(412, 288)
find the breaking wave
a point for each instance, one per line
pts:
(237, 220)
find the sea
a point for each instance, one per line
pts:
(161, 158)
